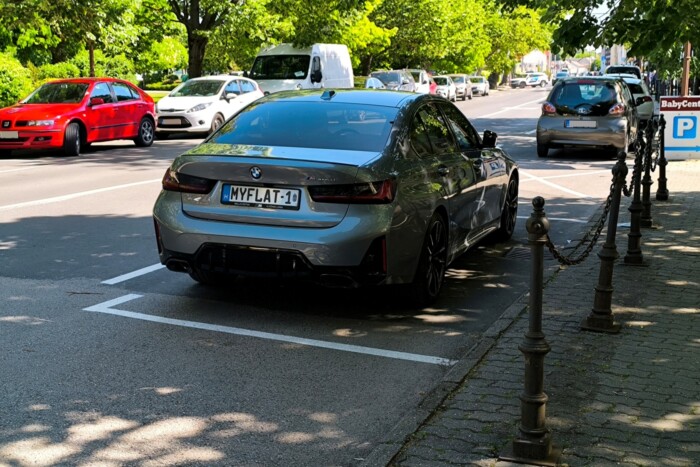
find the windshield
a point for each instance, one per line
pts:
(387, 77)
(58, 93)
(440, 80)
(458, 79)
(198, 87)
(280, 67)
(323, 125)
(476, 79)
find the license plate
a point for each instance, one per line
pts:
(258, 196)
(171, 121)
(9, 134)
(581, 124)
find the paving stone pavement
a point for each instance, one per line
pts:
(627, 399)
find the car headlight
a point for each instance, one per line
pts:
(40, 123)
(199, 107)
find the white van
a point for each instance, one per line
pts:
(284, 67)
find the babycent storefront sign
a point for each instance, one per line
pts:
(682, 135)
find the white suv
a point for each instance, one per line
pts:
(201, 105)
(536, 79)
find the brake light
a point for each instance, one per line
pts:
(617, 110)
(548, 109)
(175, 181)
(381, 192)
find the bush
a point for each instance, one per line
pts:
(15, 81)
(58, 70)
(161, 86)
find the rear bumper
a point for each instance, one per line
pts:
(551, 133)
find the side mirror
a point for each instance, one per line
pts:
(641, 100)
(97, 101)
(246, 74)
(489, 139)
(316, 76)
(229, 96)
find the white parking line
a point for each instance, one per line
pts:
(106, 307)
(131, 275)
(554, 185)
(58, 199)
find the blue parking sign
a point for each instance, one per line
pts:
(685, 126)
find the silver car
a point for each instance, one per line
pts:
(344, 188)
(590, 111)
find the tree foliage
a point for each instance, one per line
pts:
(644, 26)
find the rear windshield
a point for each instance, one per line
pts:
(322, 125)
(598, 97)
(624, 69)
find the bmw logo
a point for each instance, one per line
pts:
(255, 172)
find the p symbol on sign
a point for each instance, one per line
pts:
(685, 127)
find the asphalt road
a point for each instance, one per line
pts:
(107, 358)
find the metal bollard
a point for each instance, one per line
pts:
(601, 318)
(647, 182)
(634, 251)
(662, 190)
(533, 445)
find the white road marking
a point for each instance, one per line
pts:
(58, 199)
(554, 185)
(507, 109)
(576, 174)
(131, 275)
(106, 307)
(21, 169)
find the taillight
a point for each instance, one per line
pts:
(175, 181)
(548, 109)
(617, 110)
(382, 192)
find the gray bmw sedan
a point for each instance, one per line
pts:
(341, 187)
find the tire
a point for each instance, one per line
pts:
(210, 278)
(470, 97)
(71, 140)
(522, 85)
(146, 133)
(509, 214)
(216, 122)
(432, 263)
(542, 150)
(464, 97)
(543, 84)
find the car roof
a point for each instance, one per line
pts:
(626, 76)
(380, 97)
(590, 79)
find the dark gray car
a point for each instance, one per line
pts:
(345, 188)
(590, 111)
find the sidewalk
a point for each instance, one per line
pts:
(630, 399)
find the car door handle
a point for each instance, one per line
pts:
(444, 171)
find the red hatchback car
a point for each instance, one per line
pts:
(70, 114)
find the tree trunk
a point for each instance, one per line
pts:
(197, 45)
(91, 53)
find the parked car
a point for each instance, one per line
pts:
(396, 80)
(559, 75)
(531, 79)
(463, 86)
(480, 85)
(591, 111)
(422, 79)
(71, 114)
(201, 105)
(374, 83)
(626, 69)
(341, 187)
(639, 89)
(446, 87)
